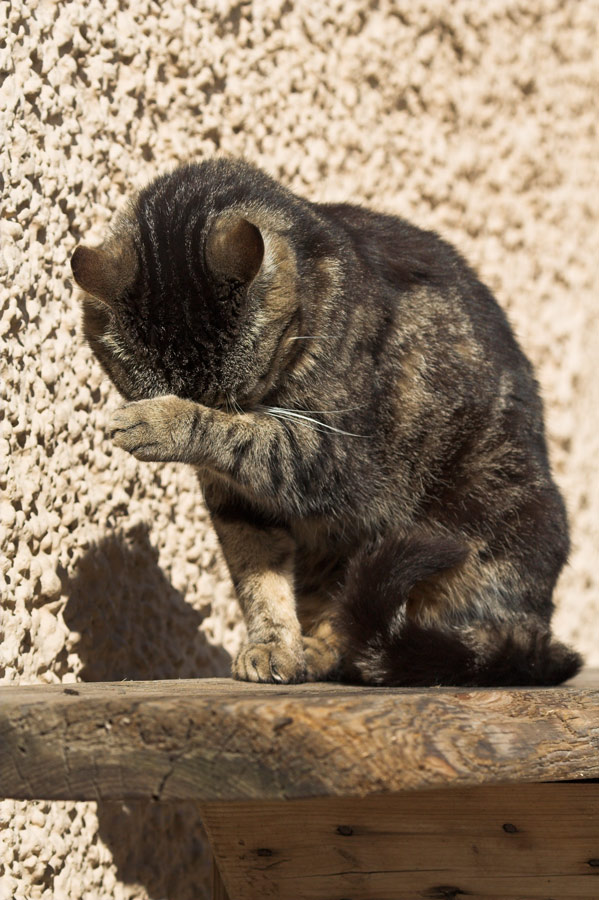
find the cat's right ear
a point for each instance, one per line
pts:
(234, 249)
(103, 273)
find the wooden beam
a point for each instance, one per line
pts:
(538, 842)
(219, 891)
(216, 739)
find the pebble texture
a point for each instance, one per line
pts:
(477, 119)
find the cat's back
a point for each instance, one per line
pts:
(425, 284)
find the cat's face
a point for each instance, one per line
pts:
(179, 299)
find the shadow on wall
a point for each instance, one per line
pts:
(135, 625)
(162, 847)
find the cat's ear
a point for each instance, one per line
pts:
(103, 273)
(234, 249)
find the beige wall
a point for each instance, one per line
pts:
(474, 118)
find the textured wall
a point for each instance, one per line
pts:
(473, 118)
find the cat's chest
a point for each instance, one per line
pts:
(321, 546)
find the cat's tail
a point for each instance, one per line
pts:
(384, 646)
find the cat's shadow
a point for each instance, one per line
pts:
(134, 625)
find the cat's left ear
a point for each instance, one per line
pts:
(105, 273)
(234, 249)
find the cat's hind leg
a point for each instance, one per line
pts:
(404, 622)
(322, 651)
(322, 641)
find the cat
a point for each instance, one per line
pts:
(367, 433)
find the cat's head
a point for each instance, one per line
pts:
(195, 290)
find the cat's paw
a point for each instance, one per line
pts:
(273, 662)
(322, 658)
(153, 430)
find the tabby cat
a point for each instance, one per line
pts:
(367, 433)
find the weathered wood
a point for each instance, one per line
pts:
(219, 891)
(526, 842)
(218, 739)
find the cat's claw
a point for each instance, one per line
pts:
(272, 663)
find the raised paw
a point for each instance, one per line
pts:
(273, 663)
(157, 429)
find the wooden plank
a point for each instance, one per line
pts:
(222, 740)
(517, 842)
(219, 891)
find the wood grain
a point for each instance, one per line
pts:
(219, 891)
(515, 842)
(217, 739)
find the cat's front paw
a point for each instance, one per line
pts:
(272, 662)
(154, 430)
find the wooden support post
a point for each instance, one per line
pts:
(219, 891)
(532, 841)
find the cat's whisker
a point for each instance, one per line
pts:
(232, 406)
(322, 425)
(293, 414)
(286, 419)
(281, 419)
(309, 337)
(325, 411)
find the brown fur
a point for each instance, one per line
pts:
(367, 432)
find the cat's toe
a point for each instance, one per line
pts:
(143, 429)
(322, 658)
(130, 430)
(269, 663)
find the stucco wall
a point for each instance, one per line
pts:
(473, 118)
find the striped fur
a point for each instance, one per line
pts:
(339, 379)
